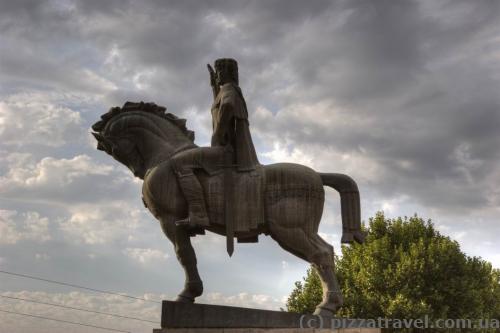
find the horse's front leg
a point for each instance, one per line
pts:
(193, 286)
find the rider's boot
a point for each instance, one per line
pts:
(191, 188)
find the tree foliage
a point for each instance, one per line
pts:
(407, 269)
(306, 295)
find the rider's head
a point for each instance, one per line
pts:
(226, 70)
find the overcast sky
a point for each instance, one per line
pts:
(403, 96)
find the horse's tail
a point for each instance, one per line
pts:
(350, 206)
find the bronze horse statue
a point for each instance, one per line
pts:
(143, 137)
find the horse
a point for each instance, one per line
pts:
(144, 138)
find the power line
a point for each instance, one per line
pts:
(79, 287)
(63, 321)
(78, 309)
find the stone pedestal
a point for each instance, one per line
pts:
(203, 318)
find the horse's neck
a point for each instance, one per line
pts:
(155, 149)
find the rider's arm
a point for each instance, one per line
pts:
(225, 122)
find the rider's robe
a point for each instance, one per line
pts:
(230, 126)
(231, 129)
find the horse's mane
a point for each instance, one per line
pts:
(150, 108)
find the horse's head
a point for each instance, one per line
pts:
(138, 135)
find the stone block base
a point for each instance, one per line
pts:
(203, 318)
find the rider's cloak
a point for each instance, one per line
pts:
(230, 126)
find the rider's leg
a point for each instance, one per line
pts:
(183, 164)
(193, 192)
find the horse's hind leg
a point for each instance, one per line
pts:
(193, 286)
(325, 266)
(312, 248)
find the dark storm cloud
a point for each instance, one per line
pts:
(419, 83)
(166, 37)
(415, 79)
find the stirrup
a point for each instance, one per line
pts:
(189, 222)
(182, 222)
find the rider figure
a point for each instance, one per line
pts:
(231, 138)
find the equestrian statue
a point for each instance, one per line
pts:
(223, 188)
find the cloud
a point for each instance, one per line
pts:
(105, 303)
(42, 256)
(48, 71)
(34, 119)
(61, 172)
(101, 224)
(16, 227)
(244, 299)
(401, 96)
(76, 179)
(94, 302)
(393, 95)
(145, 256)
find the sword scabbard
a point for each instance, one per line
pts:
(228, 201)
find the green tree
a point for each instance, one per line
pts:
(495, 290)
(306, 295)
(407, 269)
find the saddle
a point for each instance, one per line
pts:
(246, 201)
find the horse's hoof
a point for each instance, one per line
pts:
(323, 312)
(328, 309)
(347, 238)
(184, 299)
(359, 237)
(351, 237)
(332, 301)
(194, 288)
(191, 290)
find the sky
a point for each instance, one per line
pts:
(403, 96)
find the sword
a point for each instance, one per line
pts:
(228, 200)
